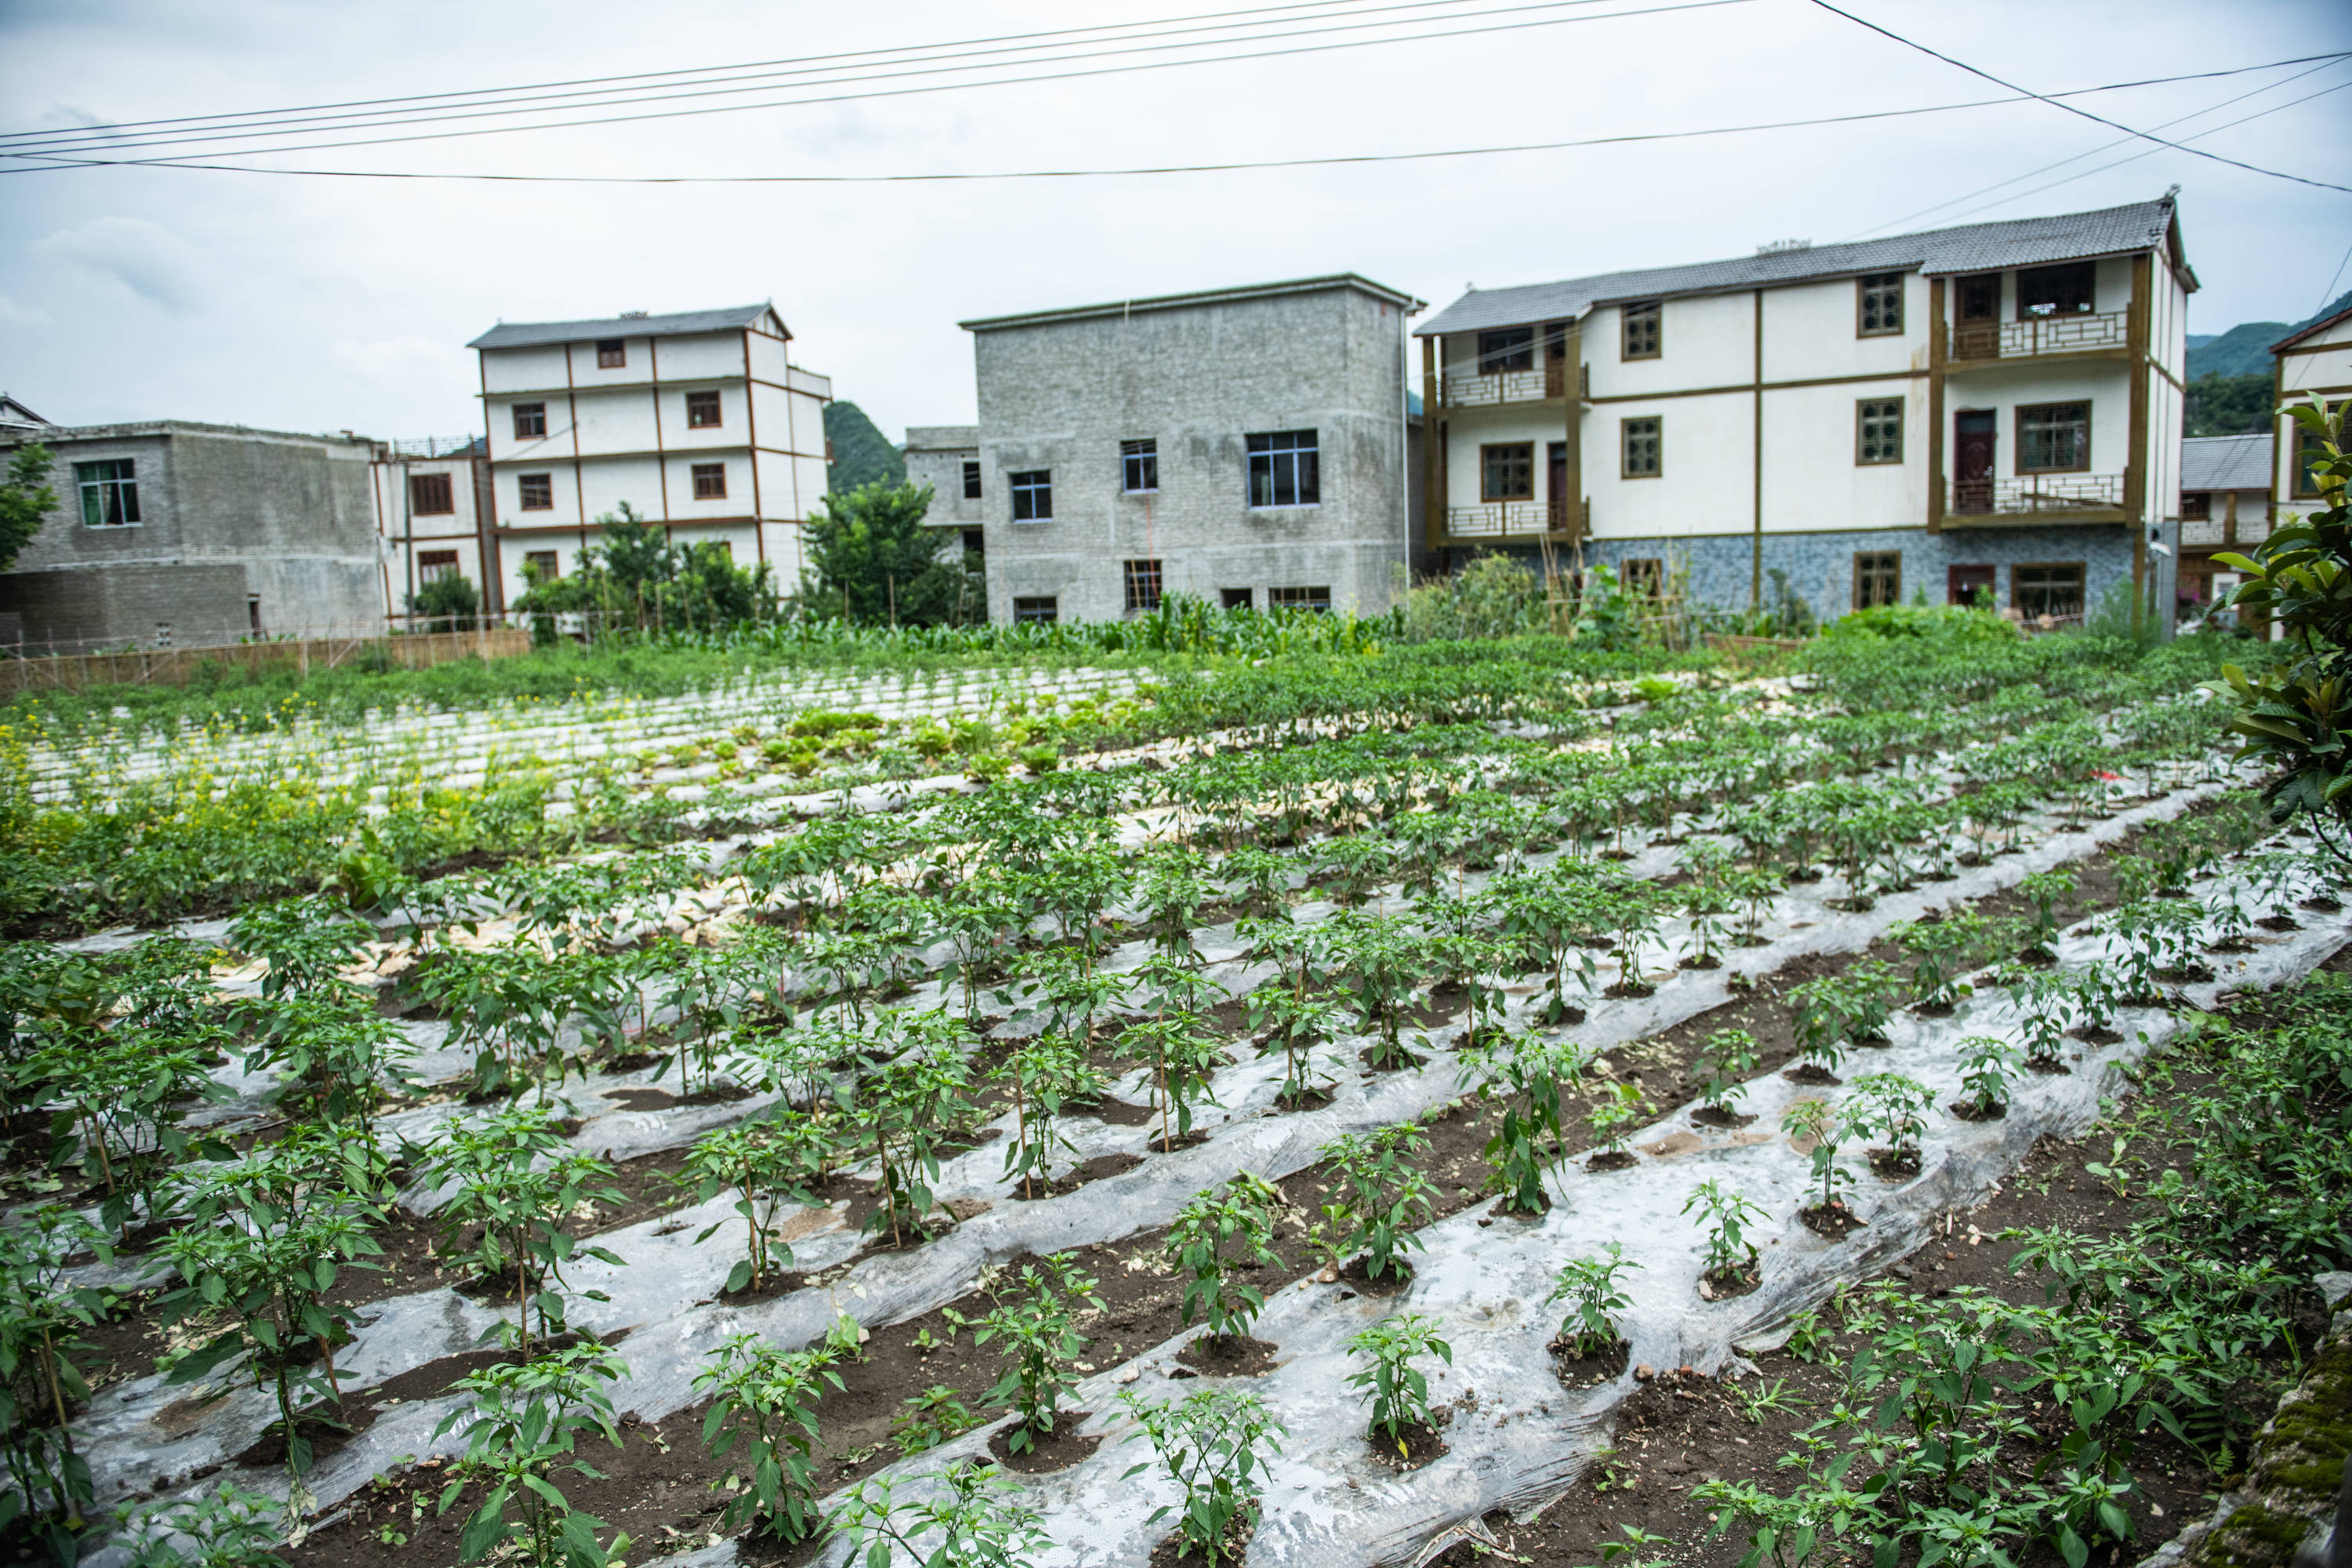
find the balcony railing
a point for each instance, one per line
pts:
(1473, 389)
(2039, 335)
(2037, 493)
(1507, 520)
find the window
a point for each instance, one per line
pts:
(1878, 430)
(2047, 589)
(1879, 305)
(1238, 598)
(429, 495)
(1877, 578)
(1979, 297)
(1506, 471)
(612, 353)
(1316, 599)
(1038, 612)
(1142, 579)
(432, 565)
(1645, 576)
(1139, 466)
(109, 493)
(2196, 506)
(537, 492)
(1640, 328)
(2066, 291)
(1033, 497)
(971, 481)
(2054, 438)
(253, 614)
(1507, 348)
(541, 566)
(710, 481)
(1283, 470)
(2307, 458)
(703, 411)
(1644, 443)
(529, 420)
(975, 541)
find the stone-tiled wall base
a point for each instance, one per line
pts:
(1819, 566)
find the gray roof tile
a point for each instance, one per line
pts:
(1973, 248)
(524, 334)
(2226, 462)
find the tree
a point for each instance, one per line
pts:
(871, 559)
(446, 604)
(2228, 405)
(25, 497)
(636, 577)
(2296, 713)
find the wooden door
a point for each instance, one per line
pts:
(1976, 317)
(1973, 437)
(1963, 583)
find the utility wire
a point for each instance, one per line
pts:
(1620, 140)
(2071, 108)
(954, 86)
(85, 138)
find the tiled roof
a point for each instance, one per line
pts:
(1380, 292)
(523, 334)
(2226, 463)
(1974, 248)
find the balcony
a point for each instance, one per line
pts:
(1977, 342)
(1507, 520)
(1491, 389)
(2055, 498)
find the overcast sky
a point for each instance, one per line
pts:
(326, 303)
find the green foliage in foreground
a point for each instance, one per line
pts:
(25, 497)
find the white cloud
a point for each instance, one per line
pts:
(144, 257)
(387, 359)
(12, 314)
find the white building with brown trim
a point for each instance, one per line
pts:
(1995, 408)
(699, 420)
(432, 516)
(2225, 504)
(2314, 362)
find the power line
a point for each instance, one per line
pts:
(944, 87)
(2327, 297)
(2071, 108)
(1238, 167)
(219, 127)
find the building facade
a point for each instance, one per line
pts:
(1245, 445)
(947, 458)
(698, 421)
(433, 516)
(171, 534)
(2225, 504)
(1993, 409)
(2315, 362)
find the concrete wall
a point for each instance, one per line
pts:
(936, 454)
(226, 515)
(1061, 394)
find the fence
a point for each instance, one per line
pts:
(40, 672)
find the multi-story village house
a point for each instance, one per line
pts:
(433, 516)
(699, 421)
(1989, 409)
(2314, 362)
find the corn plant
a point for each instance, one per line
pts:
(1393, 1386)
(43, 1313)
(224, 1528)
(524, 1425)
(1033, 1318)
(518, 1180)
(1589, 1284)
(766, 1399)
(265, 1239)
(1815, 1122)
(1530, 1075)
(1379, 1197)
(1213, 1445)
(1727, 1215)
(767, 1165)
(1988, 1067)
(1724, 1060)
(972, 1517)
(1239, 1214)
(1044, 1074)
(1890, 1106)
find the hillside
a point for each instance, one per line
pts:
(2245, 349)
(861, 454)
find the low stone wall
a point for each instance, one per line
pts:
(179, 665)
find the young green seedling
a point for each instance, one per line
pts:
(1988, 1067)
(1726, 1215)
(1213, 1445)
(1239, 1214)
(1815, 1126)
(1614, 1118)
(1589, 1284)
(1378, 1198)
(1725, 1061)
(1393, 1386)
(1890, 1106)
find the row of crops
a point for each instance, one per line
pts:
(895, 1062)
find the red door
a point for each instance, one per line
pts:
(1972, 459)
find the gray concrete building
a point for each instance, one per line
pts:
(947, 458)
(176, 534)
(1245, 445)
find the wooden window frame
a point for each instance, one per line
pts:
(1963, 284)
(612, 353)
(699, 403)
(544, 483)
(971, 480)
(1486, 471)
(1652, 311)
(432, 565)
(1142, 584)
(1036, 609)
(1498, 361)
(1642, 574)
(1876, 558)
(2088, 271)
(554, 569)
(710, 481)
(2082, 584)
(1625, 445)
(2196, 506)
(2083, 464)
(432, 495)
(1888, 283)
(1030, 486)
(1862, 406)
(530, 421)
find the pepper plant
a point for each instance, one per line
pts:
(1240, 1214)
(907, 1108)
(338, 1052)
(524, 1425)
(768, 1167)
(1614, 1118)
(1813, 1121)
(1726, 1215)
(1890, 1106)
(1213, 1445)
(766, 1398)
(1988, 1067)
(43, 1314)
(517, 1178)
(1724, 1060)
(227, 1527)
(1033, 1317)
(1184, 1055)
(1378, 963)
(972, 1517)
(1044, 1074)
(1589, 1284)
(1380, 1198)
(120, 1101)
(1531, 1074)
(1394, 1387)
(2046, 892)
(1838, 1010)
(1292, 1021)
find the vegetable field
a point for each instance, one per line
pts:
(1277, 1110)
